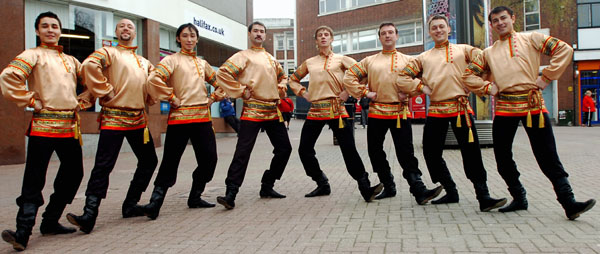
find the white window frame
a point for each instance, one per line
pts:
(350, 5)
(350, 35)
(529, 27)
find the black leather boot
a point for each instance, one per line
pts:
(25, 222)
(451, 193)
(519, 199)
(389, 186)
(195, 199)
(229, 200)
(420, 192)
(566, 198)
(266, 189)
(152, 209)
(130, 206)
(50, 225)
(486, 203)
(323, 188)
(87, 221)
(364, 186)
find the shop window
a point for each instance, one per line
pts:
(532, 14)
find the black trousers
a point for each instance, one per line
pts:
(282, 149)
(205, 149)
(109, 145)
(233, 122)
(542, 143)
(310, 133)
(68, 178)
(434, 136)
(403, 144)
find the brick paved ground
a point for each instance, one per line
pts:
(341, 222)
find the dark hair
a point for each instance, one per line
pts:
(387, 24)
(180, 30)
(47, 14)
(435, 17)
(500, 9)
(256, 23)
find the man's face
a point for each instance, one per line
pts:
(257, 35)
(439, 30)
(49, 31)
(502, 23)
(188, 39)
(388, 37)
(324, 38)
(125, 30)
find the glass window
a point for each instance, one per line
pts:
(531, 6)
(532, 14)
(532, 21)
(322, 6)
(340, 43)
(333, 5)
(364, 2)
(406, 34)
(583, 15)
(280, 43)
(367, 39)
(596, 15)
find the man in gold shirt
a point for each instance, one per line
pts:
(52, 78)
(117, 75)
(440, 70)
(388, 111)
(256, 76)
(514, 62)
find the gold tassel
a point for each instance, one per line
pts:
(331, 112)
(146, 135)
(458, 124)
(78, 130)
(341, 123)
(404, 116)
(541, 125)
(209, 115)
(471, 139)
(398, 126)
(529, 119)
(279, 115)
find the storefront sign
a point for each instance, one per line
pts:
(202, 24)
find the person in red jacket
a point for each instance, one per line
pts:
(589, 106)
(286, 106)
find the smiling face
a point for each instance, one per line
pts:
(125, 32)
(49, 31)
(502, 23)
(439, 30)
(188, 39)
(323, 38)
(257, 35)
(388, 37)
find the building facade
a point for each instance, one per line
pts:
(280, 41)
(587, 55)
(90, 24)
(355, 24)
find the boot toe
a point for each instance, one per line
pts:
(489, 204)
(319, 191)
(223, 201)
(10, 236)
(429, 195)
(582, 208)
(447, 199)
(200, 203)
(55, 229)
